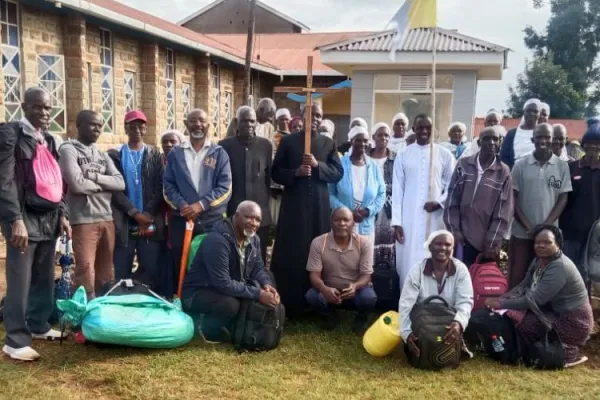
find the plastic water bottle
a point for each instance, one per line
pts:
(497, 344)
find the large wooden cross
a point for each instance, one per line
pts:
(308, 91)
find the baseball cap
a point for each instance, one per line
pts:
(135, 115)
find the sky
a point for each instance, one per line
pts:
(497, 21)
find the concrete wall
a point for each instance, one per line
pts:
(362, 95)
(463, 99)
(231, 16)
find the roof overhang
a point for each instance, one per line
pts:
(108, 15)
(489, 66)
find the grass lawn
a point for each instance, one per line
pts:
(309, 364)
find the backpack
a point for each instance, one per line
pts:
(488, 281)
(547, 353)
(258, 327)
(494, 335)
(387, 286)
(430, 320)
(43, 186)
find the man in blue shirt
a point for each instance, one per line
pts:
(138, 217)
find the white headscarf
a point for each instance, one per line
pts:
(330, 126)
(498, 115)
(174, 132)
(283, 112)
(432, 237)
(356, 131)
(361, 121)
(462, 127)
(545, 106)
(401, 116)
(377, 127)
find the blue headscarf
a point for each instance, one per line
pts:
(593, 131)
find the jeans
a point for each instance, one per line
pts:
(364, 300)
(149, 258)
(94, 246)
(218, 311)
(29, 290)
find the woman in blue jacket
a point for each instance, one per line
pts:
(362, 188)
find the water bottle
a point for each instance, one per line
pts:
(497, 344)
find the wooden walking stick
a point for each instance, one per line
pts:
(187, 240)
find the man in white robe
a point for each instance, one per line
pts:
(411, 201)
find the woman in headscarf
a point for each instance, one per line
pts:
(327, 128)
(552, 294)
(544, 113)
(492, 118)
(385, 243)
(439, 274)
(456, 139)
(356, 122)
(399, 126)
(518, 143)
(362, 188)
(296, 125)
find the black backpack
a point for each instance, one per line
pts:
(387, 286)
(430, 320)
(547, 353)
(258, 327)
(485, 327)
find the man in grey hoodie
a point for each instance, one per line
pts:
(91, 179)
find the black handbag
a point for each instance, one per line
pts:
(430, 320)
(547, 353)
(485, 327)
(387, 286)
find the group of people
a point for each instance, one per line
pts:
(340, 212)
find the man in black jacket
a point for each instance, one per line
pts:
(250, 158)
(137, 212)
(31, 224)
(223, 271)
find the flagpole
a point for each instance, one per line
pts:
(433, 124)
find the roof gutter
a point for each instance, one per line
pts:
(88, 8)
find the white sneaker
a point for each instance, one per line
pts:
(52, 334)
(22, 354)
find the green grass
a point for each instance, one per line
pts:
(309, 364)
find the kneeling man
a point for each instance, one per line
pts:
(340, 264)
(226, 264)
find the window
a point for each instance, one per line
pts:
(170, 81)
(11, 59)
(51, 75)
(186, 98)
(227, 107)
(106, 59)
(216, 98)
(129, 90)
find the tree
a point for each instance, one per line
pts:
(543, 79)
(572, 43)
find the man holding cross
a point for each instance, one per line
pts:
(304, 212)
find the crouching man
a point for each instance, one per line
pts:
(340, 264)
(226, 264)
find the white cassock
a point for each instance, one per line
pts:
(410, 192)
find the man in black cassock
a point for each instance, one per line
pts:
(305, 209)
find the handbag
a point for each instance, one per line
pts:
(430, 320)
(547, 353)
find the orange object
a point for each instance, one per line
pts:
(187, 240)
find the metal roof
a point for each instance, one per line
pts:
(418, 40)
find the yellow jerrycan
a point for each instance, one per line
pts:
(383, 336)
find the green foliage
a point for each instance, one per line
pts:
(571, 42)
(545, 80)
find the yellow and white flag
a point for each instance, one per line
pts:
(413, 14)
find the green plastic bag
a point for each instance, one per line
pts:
(135, 320)
(194, 246)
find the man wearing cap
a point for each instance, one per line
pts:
(139, 222)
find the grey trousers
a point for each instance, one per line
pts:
(29, 291)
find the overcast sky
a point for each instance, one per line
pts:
(497, 21)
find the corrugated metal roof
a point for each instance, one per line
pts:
(575, 127)
(420, 39)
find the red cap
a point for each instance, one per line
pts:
(135, 115)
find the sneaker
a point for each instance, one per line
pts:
(52, 334)
(579, 361)
(22, 354)
(360, 323)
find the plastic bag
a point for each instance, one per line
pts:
(194, 246)
(130, 320)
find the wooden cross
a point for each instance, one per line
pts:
(308, 91)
